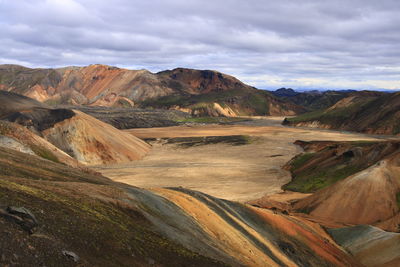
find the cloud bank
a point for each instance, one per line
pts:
(268, 44)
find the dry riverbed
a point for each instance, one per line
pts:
(227, 170)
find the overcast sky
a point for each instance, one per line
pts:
(268, 44)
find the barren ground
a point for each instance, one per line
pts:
(242, 173)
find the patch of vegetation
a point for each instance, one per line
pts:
(235, 140)
(221, 120)
(309, 182)
(44, 153)
(17, 164)
(253, 101)
(343, 118)
(301, 159)
(396, 128)
(309, 116)
(398, 199)
(53, 102)
(314, 180)
(315, 171)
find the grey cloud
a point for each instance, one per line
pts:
(261, 42)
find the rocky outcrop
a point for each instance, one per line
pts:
(17, 137)
(21, 216)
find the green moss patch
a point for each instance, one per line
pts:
(186, 142)
(333, 161)
(219, 120)
(44, 153)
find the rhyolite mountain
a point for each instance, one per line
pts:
(199, 92)
(368, 112)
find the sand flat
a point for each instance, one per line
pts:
(239, 173)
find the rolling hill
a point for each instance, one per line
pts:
(370, 245)
(346, 183)
(72, 131)
(367, 112)
(311, 100)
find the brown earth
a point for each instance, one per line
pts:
(36, 144)
(354, 183)
(370, 245)
(83, 137)
(94, 142)
(366, 197)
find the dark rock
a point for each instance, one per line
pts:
(22, 212)
(20, 216)
(70, 255)
(40, 118)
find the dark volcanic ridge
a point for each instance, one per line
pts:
(368, 112)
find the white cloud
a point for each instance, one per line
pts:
(332, 44)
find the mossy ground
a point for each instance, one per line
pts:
(219, 120)
(186, 142)
(398, 199)
(317, 170)
(249, 102)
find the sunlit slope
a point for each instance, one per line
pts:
(81, 136)
(367, 197)
(199, 92)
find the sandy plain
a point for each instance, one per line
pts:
(240, 173)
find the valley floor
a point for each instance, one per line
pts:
(234, 172)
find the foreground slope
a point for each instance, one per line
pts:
(81, 136)
(370, 245)
(78, 213)
(85, 219)
(369, 113)
(200, 92)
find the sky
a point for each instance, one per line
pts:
(302, 44)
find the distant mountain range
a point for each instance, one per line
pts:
(199, 92)
(369, 112)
